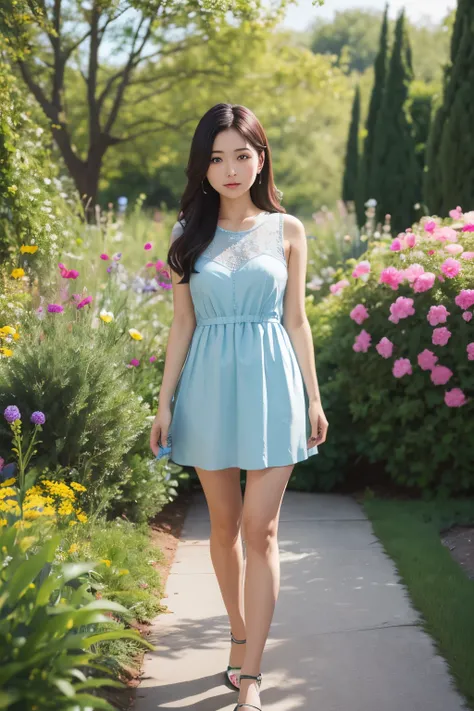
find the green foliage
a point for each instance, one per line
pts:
(420, 109)
(50, 630)
(394, 177)
(349, 184)
(402, 423)
(364, 188)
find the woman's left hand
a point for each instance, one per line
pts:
(319, 424)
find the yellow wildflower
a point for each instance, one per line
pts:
(7, 331)
(82, 517)
(8, 482)
(73, 523)
(136, 335)
(7, 352)
(17, 273)
(106, 561)
(123, 571)
(106, 316)
(3, 522)
(73, 548)
(28, 248)
(12, 189)
(78, 487)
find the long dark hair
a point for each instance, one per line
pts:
(200, 211)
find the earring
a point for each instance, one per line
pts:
(202, 186)
(260, 179)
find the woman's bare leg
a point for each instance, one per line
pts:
(261, 513)
(224, 500)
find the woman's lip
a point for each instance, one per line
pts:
(231, 185)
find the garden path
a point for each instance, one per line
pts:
(344, 635)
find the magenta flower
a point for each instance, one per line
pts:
(401, 367)
(431, 252)
(38, 418)
(440, 375)
(437, 314)
(451, 267)
(164, 285)
(465, 299)
(427, 359)
(468, 228)
(135, 362)
(454, 398)
(430, 226)
(392, 277)
(362, 342)
(456, 214)
(384, 347)
(440, 336)
(150, 264)
(361, 269)
(467, 316)
(159, 265)
(424, 282)
(396, 245)
(467, 255)
(411, 240)
(84, 302)
(401, 308)
(148, 245)
(152, 358)
(11, 413)
(470, 351)
(446, 234)
(67, 273)
(359, 313)
(55, 308)
(104, 257)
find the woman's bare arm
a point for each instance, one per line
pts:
(297, 325)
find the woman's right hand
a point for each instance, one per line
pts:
(160, 429)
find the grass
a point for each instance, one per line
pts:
(439, 588)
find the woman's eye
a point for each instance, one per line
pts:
(244, 155)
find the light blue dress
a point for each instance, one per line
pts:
(240, 400)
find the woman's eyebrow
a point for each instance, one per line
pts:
(245, 148)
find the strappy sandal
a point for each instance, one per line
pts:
(232, 674)
(258, 679)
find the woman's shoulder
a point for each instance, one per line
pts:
(293, 228)
(178, 229)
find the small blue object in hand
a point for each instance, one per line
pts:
(164, 451)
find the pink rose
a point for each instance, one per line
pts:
(437, 314)
(413, 272)
(467, 316)
(467, 255)
(362, 342)
(411, 240)
(401, 367)
(384, 347)
(396, 245)
(401, 308)
(430, 226)
(456, 214)
(440, 375)
(446, 234)
(359, 313)
(440, 336)
(361, 269)
(427, 359)
(392, 277)
(424, 282)
(465, 299)
(454, 398)
(470, 351)
(338, 286)
(453, 248)
(451, 267)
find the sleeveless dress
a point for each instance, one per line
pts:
(240, 400)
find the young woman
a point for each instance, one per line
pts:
(239, 386)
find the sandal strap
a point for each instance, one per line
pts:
(251, 706)
(237, 641)
(257, 678)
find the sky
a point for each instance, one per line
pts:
(303, 12)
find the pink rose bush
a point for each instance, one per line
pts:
(399, 348)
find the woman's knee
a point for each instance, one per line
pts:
(261, 536)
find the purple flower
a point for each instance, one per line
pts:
(12, 413)
(135, 362)
(38, 418)
(55, 308)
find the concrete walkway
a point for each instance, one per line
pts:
(344, 636)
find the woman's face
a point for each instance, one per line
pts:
(233, 160)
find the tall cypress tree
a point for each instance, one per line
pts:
(394, 173)
(380, 68)
(433, 177)
(456, 153)
(349, 182)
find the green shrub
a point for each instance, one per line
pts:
(406, 423)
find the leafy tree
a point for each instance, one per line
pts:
(364, 189)
(58, 47)
(352, 153)
(394, 174)
(450, 164)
